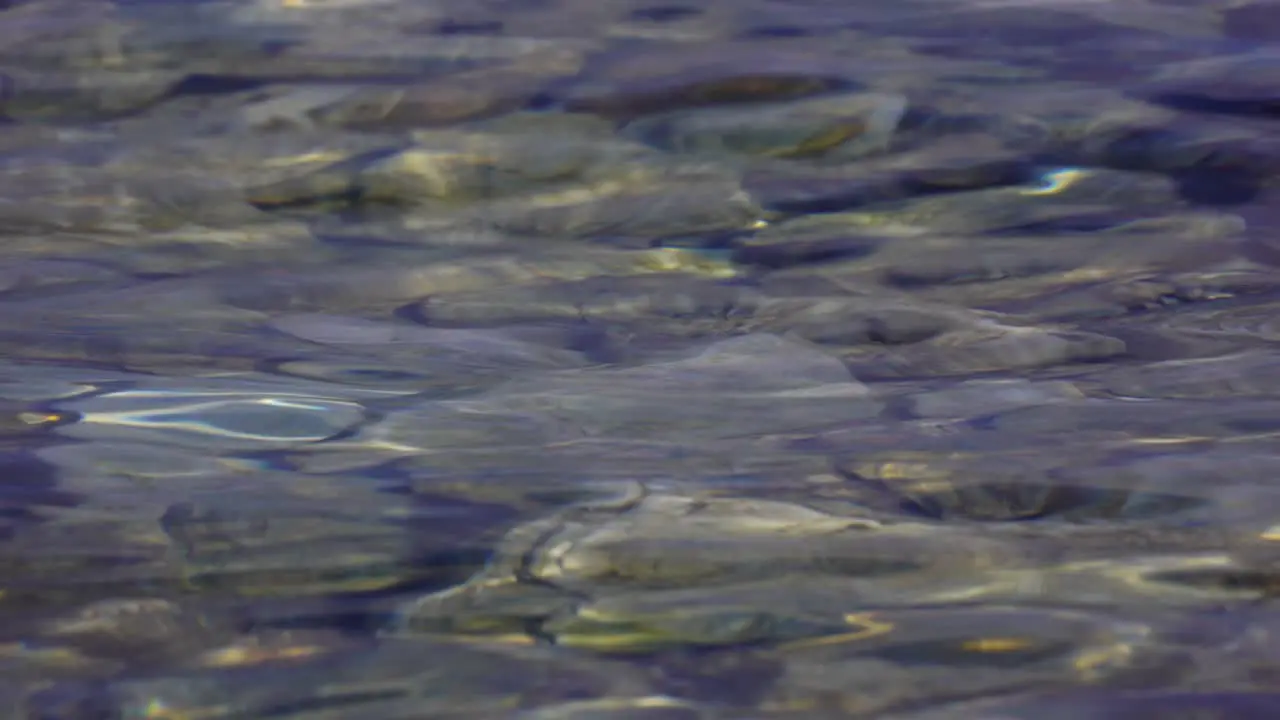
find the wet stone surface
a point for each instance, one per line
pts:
(568, 359)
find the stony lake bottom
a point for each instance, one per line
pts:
(613, 360)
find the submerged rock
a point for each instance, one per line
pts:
(841, 127)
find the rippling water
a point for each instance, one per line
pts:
(568, 359)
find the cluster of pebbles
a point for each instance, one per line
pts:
(568, 359)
